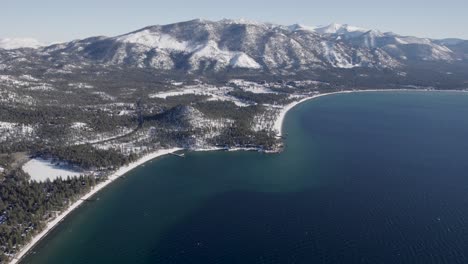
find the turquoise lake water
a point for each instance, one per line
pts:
(365, 178)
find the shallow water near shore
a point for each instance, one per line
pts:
(365, 178)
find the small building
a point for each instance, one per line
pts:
(1, 169)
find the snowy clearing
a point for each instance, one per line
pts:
(214, 92)
(42, 169)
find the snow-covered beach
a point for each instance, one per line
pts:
(121, 171)
(278, 126)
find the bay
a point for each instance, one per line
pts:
(375, 177)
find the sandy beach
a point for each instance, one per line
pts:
(278, 126)
(121, 171)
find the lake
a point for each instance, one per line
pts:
(375, 177)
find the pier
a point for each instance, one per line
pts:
(178, 155)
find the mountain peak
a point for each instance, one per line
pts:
(299, 27)
(336, 28)
(240, 21)
(239, 45)
(17, 43)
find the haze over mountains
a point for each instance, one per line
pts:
(16, 43)
(96, 104)
(209, 46)
(341, 55)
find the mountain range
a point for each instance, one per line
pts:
(202, 46)
(16, 43)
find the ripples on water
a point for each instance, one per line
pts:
(366, 178)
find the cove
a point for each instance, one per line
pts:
(375, 177)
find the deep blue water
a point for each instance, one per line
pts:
(365, 178)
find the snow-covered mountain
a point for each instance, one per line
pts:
(398, 47)
(227, 45)
(344, 29)
(16, 43)
(458, 46)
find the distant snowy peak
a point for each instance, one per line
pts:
(204, 46)
(300, 27)
(17, 43)
(335, 28)
(244, 21)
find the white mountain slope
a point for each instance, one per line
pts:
(239, 44)
(242, 60)
(336, 28)
(16, 43)
(157, 40)
(402, 47)
(202, 45)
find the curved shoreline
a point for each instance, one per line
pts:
(117, 174)
(278, 126)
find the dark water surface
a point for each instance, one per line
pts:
(365, 178)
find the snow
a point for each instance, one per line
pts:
(51, 224)
(300, 27)
(42, 169)
(336, 57)
(7, 125)
(105, 96)
(164, 95)
(156, 40)
(251, 86)
(370, 38)
(11, 80)
(79, 125)
(242, 60)
(12, 130)
(28, 77)
(209, 50)
(42, 87)
(244, 21)
(335, 28)
(16, 43)
(438, 52)
(214, 92)
(81, 85)
(412, 40)
(125, 112)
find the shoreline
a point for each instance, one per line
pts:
(278, 126)
(117, 174)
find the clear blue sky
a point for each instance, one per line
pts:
(62, 20)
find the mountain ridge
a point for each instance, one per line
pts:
(226, 45)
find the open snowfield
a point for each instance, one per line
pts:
(42, 169)
(253, 87)
(52, 223)
(215, 93)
